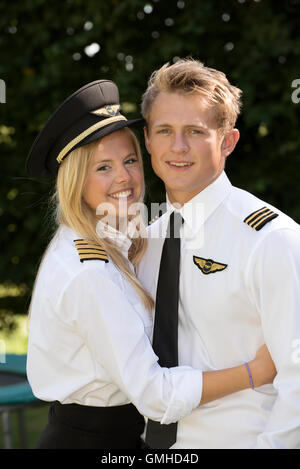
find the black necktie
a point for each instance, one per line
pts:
(165, 334)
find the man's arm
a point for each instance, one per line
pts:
(274, 283)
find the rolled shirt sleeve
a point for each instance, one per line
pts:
(274, 274)
(115, 334)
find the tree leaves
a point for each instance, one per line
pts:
(43, 60)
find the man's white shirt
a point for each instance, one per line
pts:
(239, 288)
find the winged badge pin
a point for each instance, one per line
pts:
(208, 266)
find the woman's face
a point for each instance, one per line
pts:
(115, 177)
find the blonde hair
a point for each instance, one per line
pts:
(71, 210)
(192, 77)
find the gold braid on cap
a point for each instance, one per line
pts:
(104, 111)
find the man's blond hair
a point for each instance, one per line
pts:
(191, 77)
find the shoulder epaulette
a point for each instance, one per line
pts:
(260, 217)
(88, 251)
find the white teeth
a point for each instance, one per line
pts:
(118, 195)
(173, 163)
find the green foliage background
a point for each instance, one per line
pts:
(43, 60)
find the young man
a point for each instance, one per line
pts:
(239, 282)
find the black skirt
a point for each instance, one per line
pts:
(73, 426)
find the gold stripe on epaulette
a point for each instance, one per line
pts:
(89, 251)
(259, 218)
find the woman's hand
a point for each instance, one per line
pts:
(262, 367)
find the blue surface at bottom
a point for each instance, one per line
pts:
(15, 393)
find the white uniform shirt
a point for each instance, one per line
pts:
(226, 315)
(89, 339)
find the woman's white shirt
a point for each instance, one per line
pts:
(90, 339)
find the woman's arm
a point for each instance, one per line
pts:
(220, 383)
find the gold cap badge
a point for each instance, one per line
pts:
(107, 111)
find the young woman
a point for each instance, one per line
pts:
(90, 348)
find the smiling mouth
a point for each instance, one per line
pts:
(180, 164)
(122, 194)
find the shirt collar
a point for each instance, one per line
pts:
(120, 239)
(197, 210)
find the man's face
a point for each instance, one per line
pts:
(187, 151)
